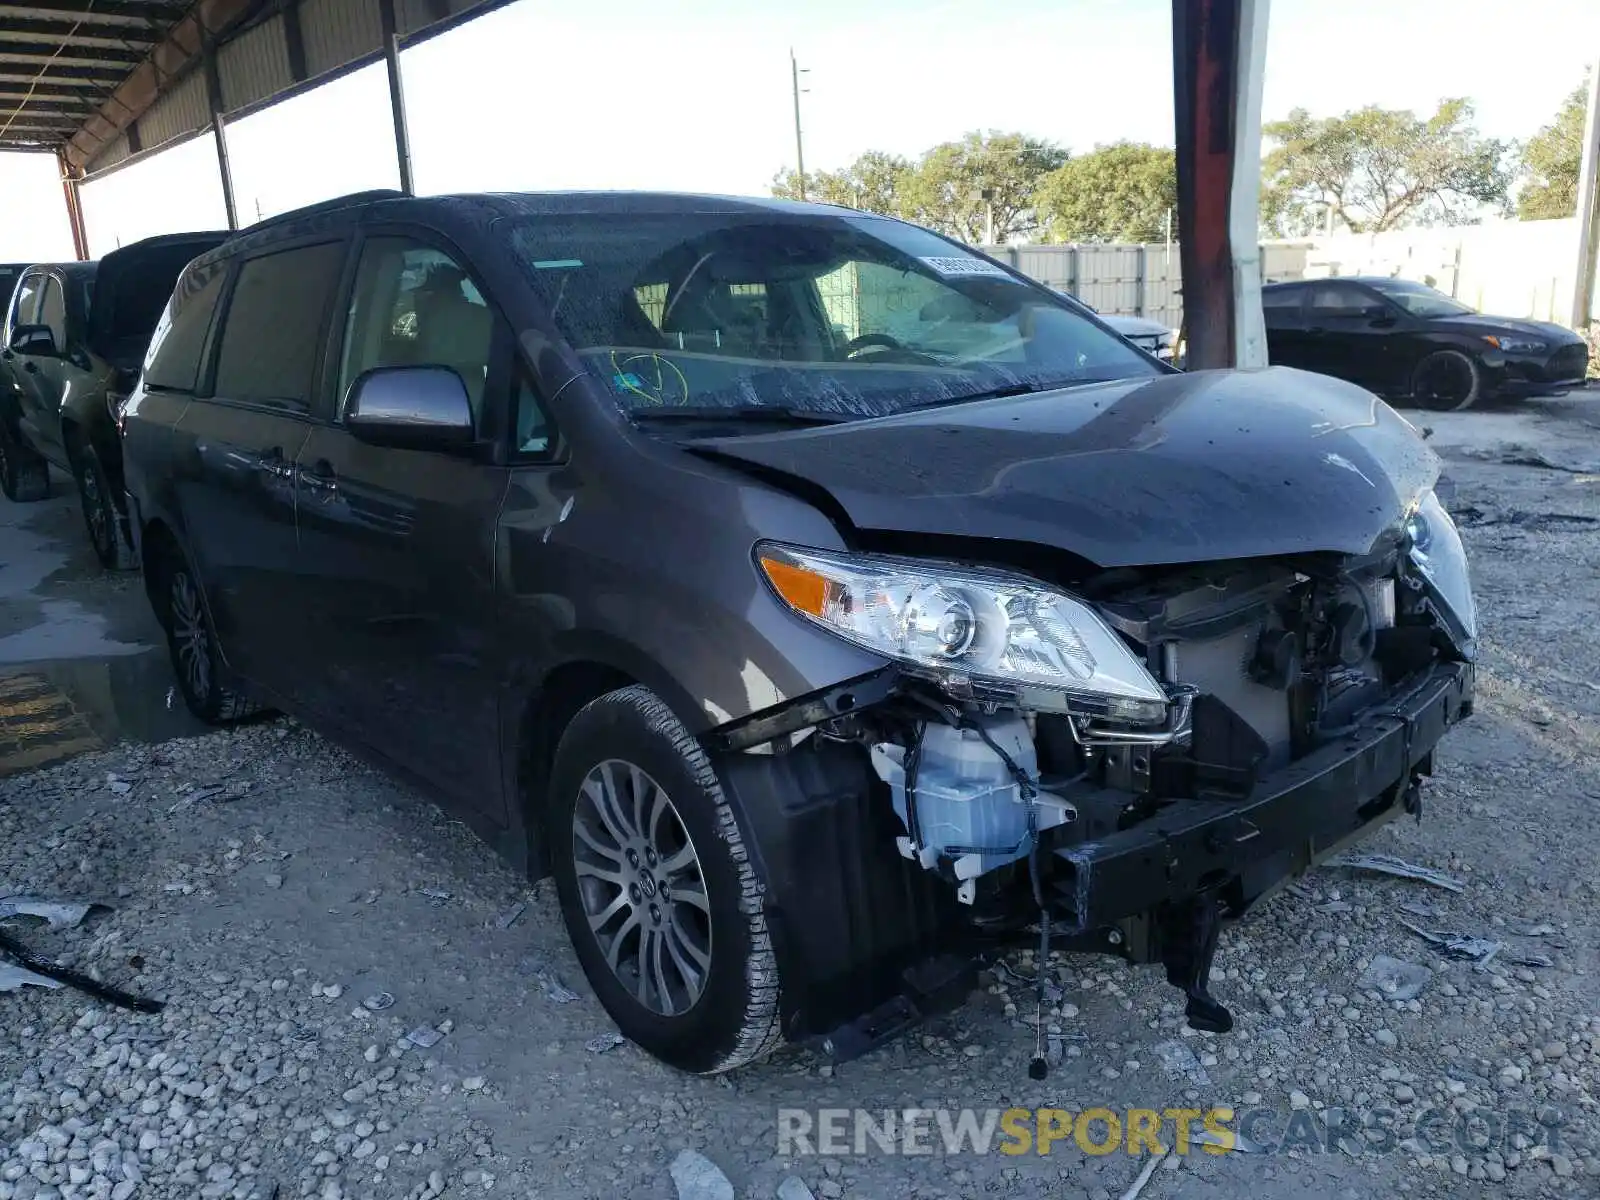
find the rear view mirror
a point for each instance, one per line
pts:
(34, 339)
(415, 408)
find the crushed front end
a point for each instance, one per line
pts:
(1116, 762)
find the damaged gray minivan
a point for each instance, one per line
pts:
(823, 604)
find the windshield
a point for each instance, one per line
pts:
(846, 316)
(1419, 299)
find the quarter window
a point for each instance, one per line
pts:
(173, 361)
(1340, 300)
(414, 305)
(274, 326)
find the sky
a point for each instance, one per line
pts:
(695, 95)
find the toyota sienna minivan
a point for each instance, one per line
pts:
(822, 603)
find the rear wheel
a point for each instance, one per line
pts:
(1446, 381)
(102, 516)
(24, 476)
(657, 889)
(207, 686)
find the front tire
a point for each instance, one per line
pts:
(24, 476)
(660, 898)
(101, 515)
(204, 680)
(1447, 381)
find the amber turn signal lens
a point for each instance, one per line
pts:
(805, 590)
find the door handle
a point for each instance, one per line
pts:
(320, 478)
(272, 462)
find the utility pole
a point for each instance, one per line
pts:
(1588, 209)
(799, 145)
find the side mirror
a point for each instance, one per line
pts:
(34, 339)
(412, 408)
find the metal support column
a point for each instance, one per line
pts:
(69, 191)
(1583, 292)
(397, 97)
(219, 131)
(1218, 52)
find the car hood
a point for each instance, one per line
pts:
(1134, 326)
(1482, 323)
(1171, 469)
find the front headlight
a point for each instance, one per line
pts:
(968, 628)
(1437, 550)
(1516, 345)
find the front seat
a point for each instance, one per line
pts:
(454, 331)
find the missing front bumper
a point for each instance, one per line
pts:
(1293, 819)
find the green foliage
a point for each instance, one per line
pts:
(951, 189)
(1378, 169)
(1118, 193)
(1551, 160)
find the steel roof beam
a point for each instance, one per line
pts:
(44, 53)
(78, 33)
(105, 12)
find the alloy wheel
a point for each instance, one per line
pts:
(1447, 380)
(190, 635)
(642, 887)
(95, 512)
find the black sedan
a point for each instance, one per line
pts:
(1406, 341)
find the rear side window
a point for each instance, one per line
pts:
(173, 361)
(1340, 299)
(275, 325)
(1282, 298)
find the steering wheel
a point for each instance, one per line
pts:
(868, 340)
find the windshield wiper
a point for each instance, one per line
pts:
(1000, 393)
(738, 412)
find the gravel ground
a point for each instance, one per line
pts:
(300, 914)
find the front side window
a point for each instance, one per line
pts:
(845, 316)
(414, 305)
(1341, 300)
(275, 325)
(1420, 300)
(1282, 299)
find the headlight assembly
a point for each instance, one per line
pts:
(980, 629)
(1438, 553)
(1515, 345)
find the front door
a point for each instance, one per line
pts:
(238, 444)
(41, 376)
(397, 547)
(1350, 332)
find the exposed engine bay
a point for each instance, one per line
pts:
(1297, 703)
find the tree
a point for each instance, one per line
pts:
(959, 187)
(1118, 193)
(1551, 160)
(873, 183)
(1378, 168)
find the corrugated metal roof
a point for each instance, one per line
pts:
(177, 114)
(254, 66)
(337, 32)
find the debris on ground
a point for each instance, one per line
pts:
(698, 1178)
(12, 978)
(434, 893)
(1420, 908)
(378, 1001)
(58, 914)
(794, 1188)
(1177, 1059)
(1232, 1141)
(20, 955)
(1476, 950)
(424, 1036)
(1387, 864)
(606, 1041)
(548, 981)
(509, 918)
(1144, 1177)
(1394, 978)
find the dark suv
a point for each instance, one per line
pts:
(821, 602)
(71, 343)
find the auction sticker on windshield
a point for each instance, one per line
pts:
(964, 266)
